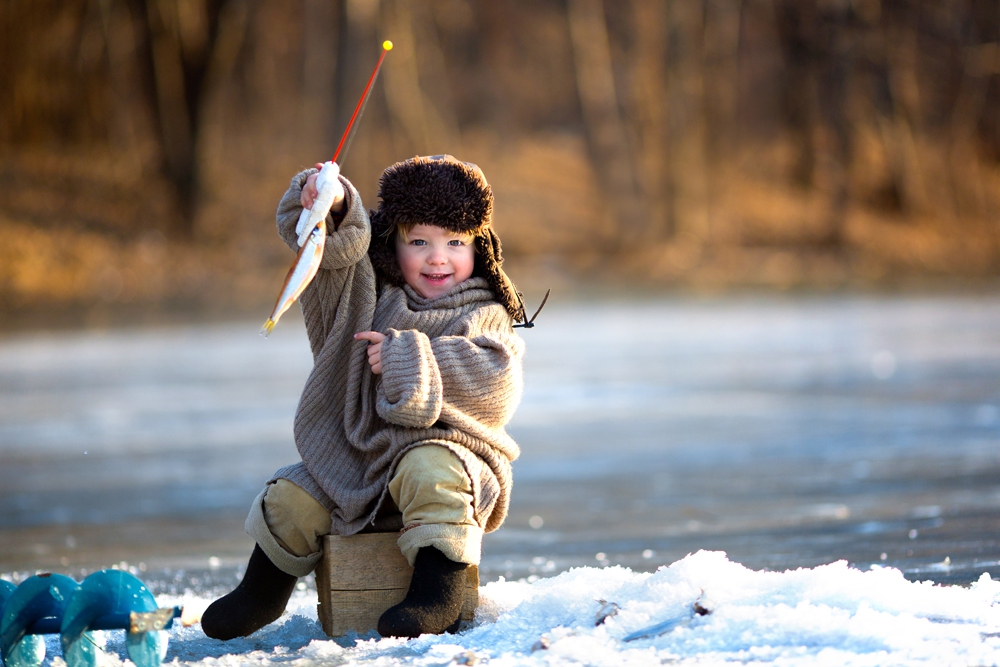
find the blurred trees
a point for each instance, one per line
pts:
(118, 73)
(679, 130)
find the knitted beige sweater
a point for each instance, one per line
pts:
(451, 376)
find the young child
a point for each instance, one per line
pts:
(400, 426)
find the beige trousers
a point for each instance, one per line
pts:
(430, 487)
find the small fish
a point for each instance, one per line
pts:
(299, 276)
(607, 610)
(698, 608)
(311, 229)
(660, 628)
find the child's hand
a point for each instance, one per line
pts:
(310, 192)
(374, 339)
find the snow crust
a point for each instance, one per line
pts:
(828, 615)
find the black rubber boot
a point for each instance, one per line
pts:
(434, 602)
(259, 599)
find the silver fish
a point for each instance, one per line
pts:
(698, 608)
(607, 610)
(299, 276)
(311, 229)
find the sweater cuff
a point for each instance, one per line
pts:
(256, 527)
(338, 217)
(410, 393)
(347, 241)
(461, 544)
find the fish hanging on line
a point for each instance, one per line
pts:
(311, 229)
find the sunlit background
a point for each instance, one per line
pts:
(772, 230)
(708, 143)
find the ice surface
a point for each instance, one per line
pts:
(751, 425)
(828, 615)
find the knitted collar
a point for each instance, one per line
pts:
(473, 290)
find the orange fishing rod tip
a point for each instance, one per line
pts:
(387, 45)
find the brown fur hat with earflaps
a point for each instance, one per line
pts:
(442, 191)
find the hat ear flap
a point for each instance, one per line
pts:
(489, 264)
(382, 250)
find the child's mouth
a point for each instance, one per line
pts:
(437, 277)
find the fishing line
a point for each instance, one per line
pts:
(362, 103)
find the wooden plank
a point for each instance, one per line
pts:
(323, 593)
(471, 595)
(365, 562)
(359, 610)
(361, 576)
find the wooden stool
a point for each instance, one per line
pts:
(361, 576)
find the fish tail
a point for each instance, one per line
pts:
(267, 328)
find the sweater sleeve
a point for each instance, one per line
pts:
(410, 391)
(345, 250)
(478, 376)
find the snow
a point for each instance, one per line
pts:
(827, 615)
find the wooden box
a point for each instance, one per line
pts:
(362, 575)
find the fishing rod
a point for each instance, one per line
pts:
(311, 226)
(302, 228)
(362, 103)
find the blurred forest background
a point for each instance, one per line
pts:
(703, 144)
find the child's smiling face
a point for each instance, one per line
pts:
(434, 260)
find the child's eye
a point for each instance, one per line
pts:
(456, 242)
(418, 242)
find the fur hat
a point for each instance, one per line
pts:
(442, 191)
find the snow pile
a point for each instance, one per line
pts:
(828, 615)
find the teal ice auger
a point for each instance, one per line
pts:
(106, 600)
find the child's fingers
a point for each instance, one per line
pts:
(309, 192)
(375, 357)
(374, 350)
(370, 336)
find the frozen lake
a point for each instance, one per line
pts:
(786, 432)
